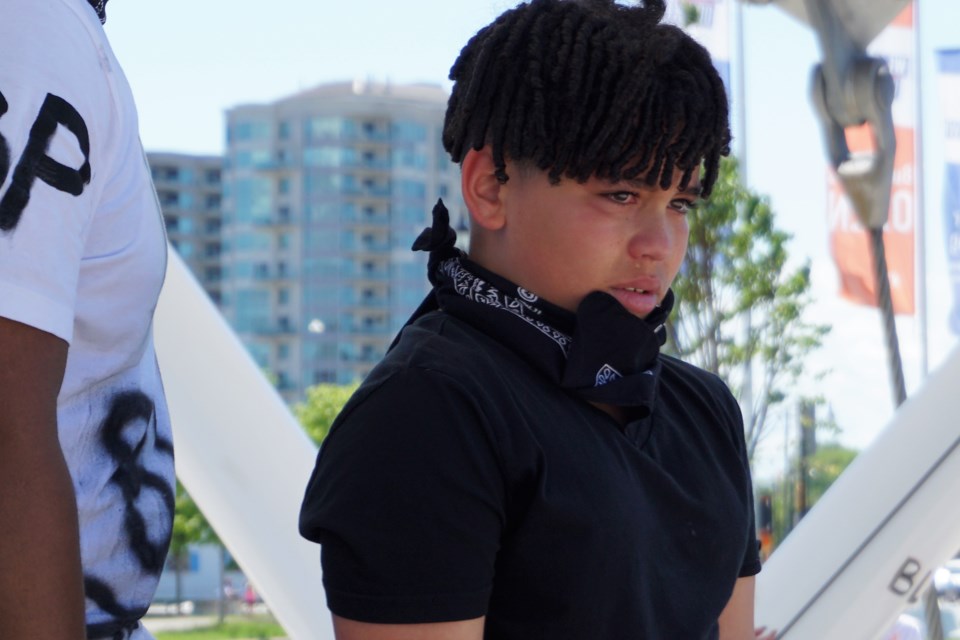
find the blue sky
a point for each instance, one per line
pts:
(189, 61)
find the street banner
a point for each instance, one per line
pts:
(949, 81)
(849, 241)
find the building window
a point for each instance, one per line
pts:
(407, 131)
(283, 295)
(168, 198)
(169, 173)
(244, 131)
(324, 375)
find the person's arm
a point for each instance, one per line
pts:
(736, 620)
(460, 630)
(41, 580)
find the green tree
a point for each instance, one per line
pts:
(824, 467)
(189, 527)
(735, 270)
(322, 404)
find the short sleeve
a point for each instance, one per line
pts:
(48, 102)
(406, 501)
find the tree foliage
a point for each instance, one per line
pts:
(189, 527)
(323, 403)
(823, 468)
(738, 302)
(189, 524)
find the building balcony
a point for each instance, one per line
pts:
(275, 220)
(273, 331)
(360, 191)
(361, 218)
(273, 276)
(356, 330)
(361, 358)
(366, 247)
(352, 272)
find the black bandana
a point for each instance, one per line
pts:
(603, 353)
(100, 6)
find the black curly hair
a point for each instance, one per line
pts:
(589, 88)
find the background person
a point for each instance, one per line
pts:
(86, 463)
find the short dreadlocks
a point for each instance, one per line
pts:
(583, 88)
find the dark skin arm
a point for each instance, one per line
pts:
(41, 580)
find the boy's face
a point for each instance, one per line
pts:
(562, 242)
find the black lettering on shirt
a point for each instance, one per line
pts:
(35, 163)
(127, 432)
(4, 148)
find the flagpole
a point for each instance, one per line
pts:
(747, 404)
(931, 601)
(919, 200)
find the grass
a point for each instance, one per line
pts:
(232, 628)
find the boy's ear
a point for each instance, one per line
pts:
(481, 189)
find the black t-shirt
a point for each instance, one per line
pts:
(460, 482)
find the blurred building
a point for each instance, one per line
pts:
(190, 191)
(324, 193)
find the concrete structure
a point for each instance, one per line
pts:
(325, 191)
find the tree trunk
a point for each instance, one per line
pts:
(178, 570)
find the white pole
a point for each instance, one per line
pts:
(747, 394)
(919, 200)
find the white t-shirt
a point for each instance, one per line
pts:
(82, 256)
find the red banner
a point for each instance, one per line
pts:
(850, 242)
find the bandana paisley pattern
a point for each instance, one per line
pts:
(474, 288)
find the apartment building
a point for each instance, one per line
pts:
(323, 194)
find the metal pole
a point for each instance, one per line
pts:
(919, 200)
(747, 394)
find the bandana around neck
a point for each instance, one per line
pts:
(100, 6)
(602, 353)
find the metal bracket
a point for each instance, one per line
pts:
(849, 89)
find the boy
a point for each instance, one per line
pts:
(524, 463)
